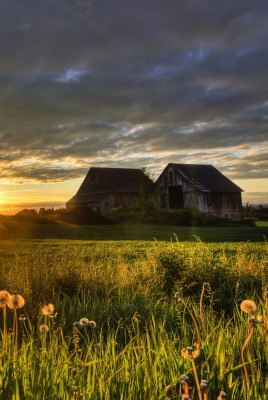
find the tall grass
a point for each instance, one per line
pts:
(133, 360)
(137, 350)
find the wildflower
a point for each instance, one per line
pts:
(190, 353)
(204, 384)
(48, 310)
(84, 322)
(4, 298)
(43, 328)
(16, 301)
(22, 317)
(92, 324)
(248, 306)
(76, 324)
(185, 378)
(222, 395)
(254, 321)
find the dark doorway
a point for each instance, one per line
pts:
(175, 196)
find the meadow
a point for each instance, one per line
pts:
(10, 229)
(134, 319)
(145, 337)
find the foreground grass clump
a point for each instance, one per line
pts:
(204, 355)
(100, 320)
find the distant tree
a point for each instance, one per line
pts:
(27, 214)
(148, 190)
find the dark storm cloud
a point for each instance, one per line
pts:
(123, 82)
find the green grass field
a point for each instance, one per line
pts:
(138, 349)
(20, 230)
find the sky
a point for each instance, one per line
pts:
(128, 84)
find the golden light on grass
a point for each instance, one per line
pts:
(4, 298)
(248, 306)
(16, 301)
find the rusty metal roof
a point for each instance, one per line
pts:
(206, 178)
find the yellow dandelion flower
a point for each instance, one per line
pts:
(248, 306)
(16, 301)
(43, 328)
(4, 298)
(48, 310)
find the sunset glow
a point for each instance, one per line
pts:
(130, 84)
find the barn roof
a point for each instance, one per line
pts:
(115, 180)
(206, 178)
(85, 198)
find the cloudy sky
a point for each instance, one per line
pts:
(130, 83)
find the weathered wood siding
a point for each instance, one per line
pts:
(114, 200)
(224, 205)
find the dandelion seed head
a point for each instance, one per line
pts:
(4, 298)
(248, 306)
(186, 353)
(16, 301)
(43, 328)
(204, 384)
(92, 324)
(84, 322)
(48, 310)
(196, 353)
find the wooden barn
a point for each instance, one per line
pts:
(201, 187)
(107, 188)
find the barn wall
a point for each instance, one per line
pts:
(115, 200)
(170, 178)
(224, 205)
